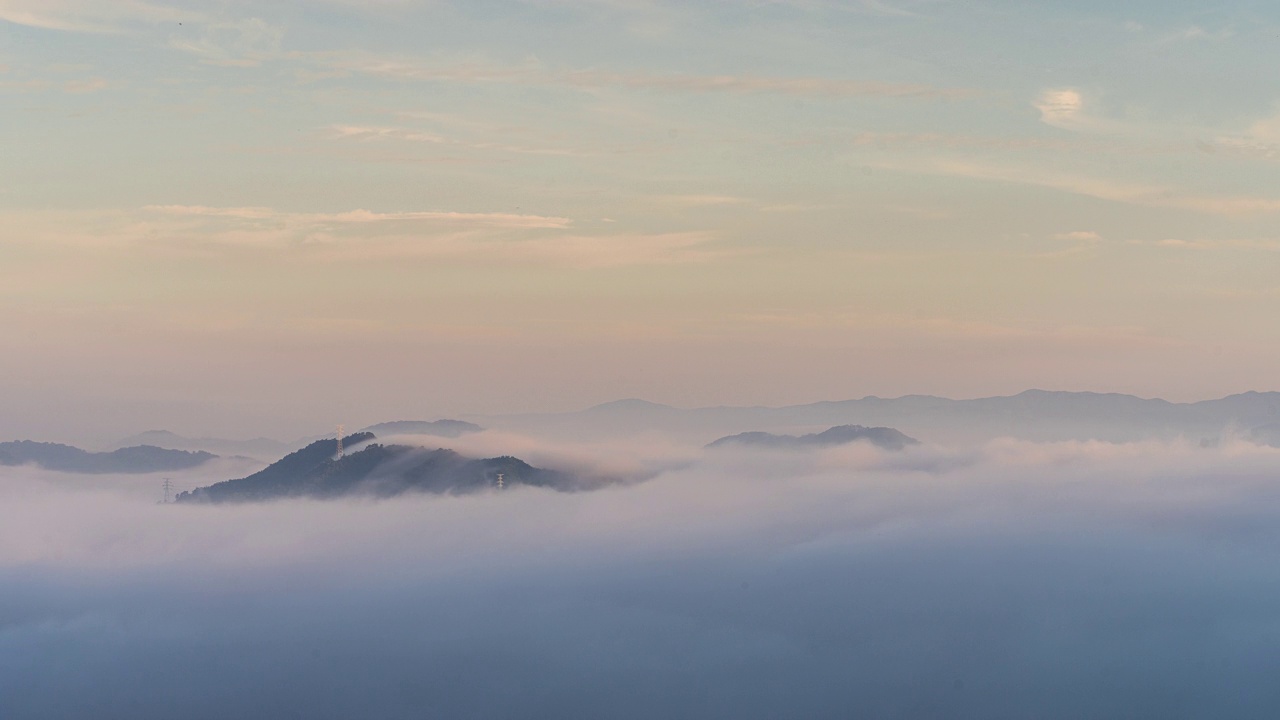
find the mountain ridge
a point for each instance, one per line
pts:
(375, 470)
(1033, 414)
(140, 459)
(268, 449)
(882, 437)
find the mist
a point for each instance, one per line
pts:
(1009, 579)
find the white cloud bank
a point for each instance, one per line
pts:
(1061, 581)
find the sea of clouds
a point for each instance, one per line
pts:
(1009, 580)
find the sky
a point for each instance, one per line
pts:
(245, 218)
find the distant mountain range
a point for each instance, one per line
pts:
(65, 458)
(268, 449)
(376, 470)
(437, 428)
(1033, 415)
(259, 448)
(882, 437)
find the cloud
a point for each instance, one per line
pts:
(701, 200)
(1227, 244)
(1150, 195)
(1087, 236)
(372, 133)
(896, 325)
(1071, 109)
(90, 15)
(475, 71)
(750, 84)
(1260, 140)
(241, 43)
(1060, 108)
(492, 220)
(953, 140)
(362, 235)
(622, 249)
(1194, 33)
(795, 208)
(1084, 579)
(85, 86)
(1068, 109)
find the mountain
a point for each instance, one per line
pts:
(376, 470)
(882, 437)
(1037, 415)
(632, 406)
(65, 458)
(259, 448)
(268, 449)
(438, 428)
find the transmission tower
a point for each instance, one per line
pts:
(168, 488)
(341, 429)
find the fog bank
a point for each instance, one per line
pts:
(1010, 580)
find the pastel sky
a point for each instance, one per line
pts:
(244, 217)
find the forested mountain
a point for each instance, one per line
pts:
(438, 428)
(65, 458)
(377, 470)
(883, 437)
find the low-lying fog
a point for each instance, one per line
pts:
(1010, 580)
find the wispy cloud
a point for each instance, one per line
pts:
(363, 235)
(368, 133)
(899, 324)
(413, 69)
(700, 200)
(1203, 244)
(1194, 33)
(1086, 236)
(85, 86)
(92, 16)
(493, 220)
(241, 43)
(951, 140)
(1261, 139)
(751, 84)
(1151, 195)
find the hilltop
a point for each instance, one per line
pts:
(437, 428)
(267, 449)
(881, 437)
(376, 470)
(65, 458)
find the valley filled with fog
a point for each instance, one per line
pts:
(1000, 579)
(639, 360)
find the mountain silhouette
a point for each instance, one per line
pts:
(65, 458)
(1035, 415)
(376, 470)
(438, 428)
(882, 437)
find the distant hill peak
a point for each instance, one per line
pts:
(631, 404)
(882, 437)
(438, 428)
(131, 460)
(377, 470)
